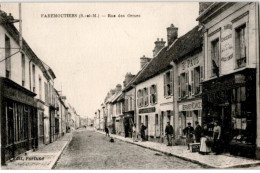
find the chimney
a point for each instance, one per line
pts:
(144, 60)
(118, 88)
(158, 46)
(203, 6)
(172, 34)
(128, 78)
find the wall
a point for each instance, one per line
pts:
(163, 104)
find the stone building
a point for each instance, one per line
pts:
(231, 49)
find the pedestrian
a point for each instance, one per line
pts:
(217, 148)
(134, 132)
(197, 132)
(107, 131)
(143, 128)
(169, 133)
(204, 148)
(189, 131)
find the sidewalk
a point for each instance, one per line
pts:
(44, 158)
(210, 161)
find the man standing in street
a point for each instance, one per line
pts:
(189, 131)
(143, 128)
(197, 132)
(169, 133)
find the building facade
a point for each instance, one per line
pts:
(231, 52)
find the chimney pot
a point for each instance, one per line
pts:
(172, 34)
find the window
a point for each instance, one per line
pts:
(215, 57)
(40, 88)
(46, 93)
(140, 98)
(145, 97)
(7, 57)
(33, 75)
(184, 81)
(168, 83)
(153, 94)
(243, 121)
(131, 102)
(197, 79)
(23, 70)
(156, 119)
(240, 42)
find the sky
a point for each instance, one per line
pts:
(90, 56)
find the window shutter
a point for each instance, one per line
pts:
(151, 99)
(201, 77)
(192, 82)
(171, 81)
(155, 93)
(201, 73)
(187, 83)
(164, 84)
(179, 86)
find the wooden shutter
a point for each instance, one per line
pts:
(187, 83)
(192, 82)
(151, 96)
(171, 82)
(164, 84)
(201, 77)
(155, 93)
(179, 86)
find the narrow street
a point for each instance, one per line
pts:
(91, 150)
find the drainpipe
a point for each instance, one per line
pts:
(257, 82)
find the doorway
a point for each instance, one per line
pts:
(146, 124)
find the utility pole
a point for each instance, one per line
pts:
(20, 28)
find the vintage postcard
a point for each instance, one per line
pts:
(129, 85)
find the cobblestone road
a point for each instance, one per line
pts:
(91, 150)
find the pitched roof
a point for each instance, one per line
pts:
(181, 47)
(187, 44)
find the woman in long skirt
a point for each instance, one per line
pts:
(204, 149)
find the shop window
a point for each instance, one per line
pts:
(242, 121)
(7, 57)
(215, 57)
(168, 83)
(145, 97)
(240, 42)
(153, 94)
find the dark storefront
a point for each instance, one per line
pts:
(231, 100)
(128, 120)
(19, 129)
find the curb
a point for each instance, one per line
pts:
(53, 163)
(185, 158)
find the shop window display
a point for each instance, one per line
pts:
(242, 121)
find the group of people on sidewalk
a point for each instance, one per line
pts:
(208, 143)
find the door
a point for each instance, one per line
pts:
(226, 126)
(147, 128)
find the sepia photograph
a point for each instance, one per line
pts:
(141, 85)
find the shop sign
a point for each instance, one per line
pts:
(190, 62)
(146, 110)
(226, 43)
(196, 105)
(17, 96)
